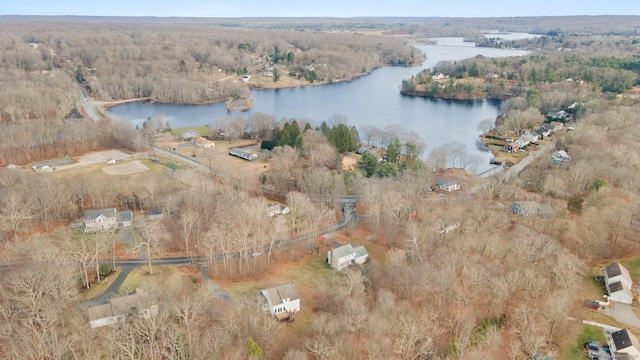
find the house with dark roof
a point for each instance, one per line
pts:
(117, 309)
(106, 219)
(618, 282)
(282, 301)
(624, 345)
(346, 255)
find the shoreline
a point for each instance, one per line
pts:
(105, 105)
(475, 98)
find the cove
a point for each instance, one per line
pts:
(373, 99)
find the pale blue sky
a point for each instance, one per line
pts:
(320, 8)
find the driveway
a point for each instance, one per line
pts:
(623, 314)
(517, 168)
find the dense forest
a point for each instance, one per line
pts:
(450, 276)
(167, 62)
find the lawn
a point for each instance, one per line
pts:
(576, 350)
(164, 277)
(202, 130)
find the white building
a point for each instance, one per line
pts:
(346, 255)
(624, 345)
(447, 185)
(117, 309)
(106, 219)
(276, 209)
(618, 283)
(281, 301)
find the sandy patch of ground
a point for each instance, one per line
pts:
(102, 157)
(349, 163)
(130, 168)
(220, 161)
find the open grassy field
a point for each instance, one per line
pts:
(164, 277)
(202, 130)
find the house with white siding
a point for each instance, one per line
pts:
(346, 255)
(282, 301)
(618, 282)
(106, 219)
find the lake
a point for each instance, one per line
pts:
(373, 99)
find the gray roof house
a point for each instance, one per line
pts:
(618, 282)
(189, 134)
(526, 208)
(117, 309)
(560, 156)
(558, 115)
(447, 185)
(282, 301)
(106, 219)
(346, 255)
(624, 345)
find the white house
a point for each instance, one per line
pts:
(189, 134)
(618, 283)
(276, 209)
(282, 301)
(117, 309)
(447, 185)
(624, 345)
(106, 219)
(346, 255)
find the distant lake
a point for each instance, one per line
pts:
(373, 99)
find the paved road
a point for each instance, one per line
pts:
(623, 314)
(517, 168)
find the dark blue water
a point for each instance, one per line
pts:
(374, 99)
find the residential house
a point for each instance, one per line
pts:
(522, 143)
(543, 131)
(117, 309)
(243, 154)
(276, 209)
(624, 345)
(346, 255)
(618, 282)
(363, 149)
(155, 214)
(202, 142)
(530, 137)
(559, 157)
(106, 219)
(511, 147)
(559, 115)
(447, 185)
(556, 126)
(526, 208)
(282, 301)
(189, 134)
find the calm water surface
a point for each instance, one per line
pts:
(374, 99)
